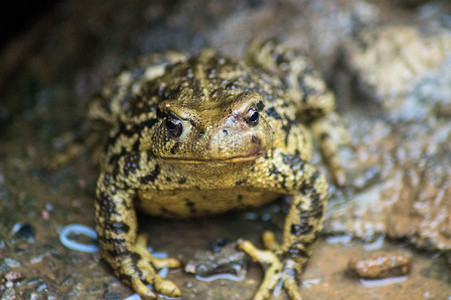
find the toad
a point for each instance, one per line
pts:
(203, 135)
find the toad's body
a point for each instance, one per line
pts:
(204, 135)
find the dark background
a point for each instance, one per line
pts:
(16, 17)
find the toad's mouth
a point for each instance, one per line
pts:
(207, 160)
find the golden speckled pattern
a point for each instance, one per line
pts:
(202, 135)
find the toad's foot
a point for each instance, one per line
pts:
(140, 267)
(333, 137)
(275, 270)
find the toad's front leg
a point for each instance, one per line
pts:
(284, 262)
(124, 251)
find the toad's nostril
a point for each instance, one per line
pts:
(256, 140)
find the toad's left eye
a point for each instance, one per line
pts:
(174, 125)
(252, 117)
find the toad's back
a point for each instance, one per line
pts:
(195, 81)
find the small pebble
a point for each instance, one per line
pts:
(26, 231)
(219, 244)
(13, 276)
(380, 265)
(113, 296)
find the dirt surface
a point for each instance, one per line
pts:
(389, 63)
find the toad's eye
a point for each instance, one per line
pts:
(252, 117)
(174, 125)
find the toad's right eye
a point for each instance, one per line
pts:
(252, 117)
(174, 126)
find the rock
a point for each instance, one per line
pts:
(380, 265)
(403, 75)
